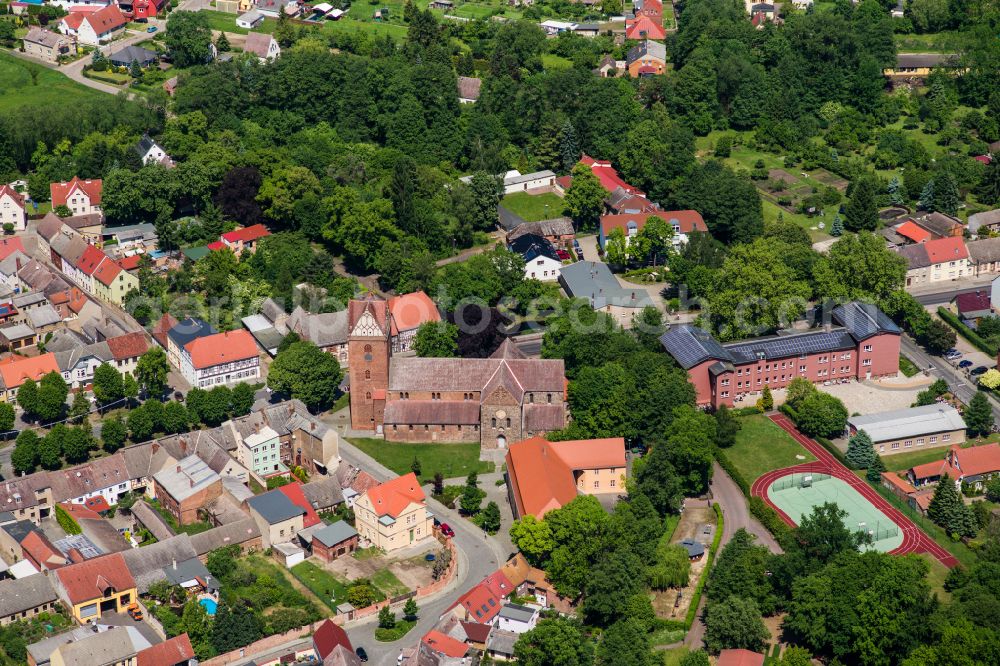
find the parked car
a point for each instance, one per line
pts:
(979, 371)
(151, 28)
(362, 655)
(953, 355)
(446, 530)
(562, 254)
(965, 364)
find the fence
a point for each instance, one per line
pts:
(798, 480)
(882, 533)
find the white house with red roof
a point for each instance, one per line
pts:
(12, 208)
(975, 466)
(82, 197)
(221, 358)
(608, 175)
(683, 223)
(394, 514)
(936, 260)
(94, 28)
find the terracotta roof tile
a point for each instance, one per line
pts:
(445, 644)
(392, 497)
(409, 311)
(107, 271)
(90, 260)
(172, 651)
(328, 636)
(246, 234)
(16, 369)
(86, 581)
(9, 246)
(127, 346)
(60, 192)
(221, 348)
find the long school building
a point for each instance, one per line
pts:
(864, 344)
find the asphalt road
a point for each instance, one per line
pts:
(960, 385)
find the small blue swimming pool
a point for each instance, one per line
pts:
(209, 605)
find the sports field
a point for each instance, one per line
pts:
(796, 495)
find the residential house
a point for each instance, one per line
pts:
(644, 28)
(150, 152)
(468, 89)
(12, 203)
(647, 58)
(22, 540)
(77, 363)
(864, 344)
(142, 9)
(47, 45)
(593, 281)
(14, 370)
(973, 306)
(332, 541)
(682, 222)
(940, 225)
(180, 333)
(183, 488)
(919, 65)
(913, 428)
(607, 175)
(135, 54)
(245, 239)
(984, 254)
(24, 598)
(543, 476)
(436, 648)
(327, 330)
(739, 658)
(394, 514)
(913, 232)
(191, 574)
(82, 197)
(278, 518)
(541, 262)
(517, 618)
(260, 452)
(250, 19)
(17, 336)
(44, 319)
(94, 587)
(482, 603)
(986, 221)
(100, 27)
(115, 646)
(126, 351)
(974, 466)
(176, 651)
(936, 260)
(607, 68)
(262, 45)
(500, 645)
(330, 638)
(558, 231)
(408, 313)
(86, 266)
(221, 358)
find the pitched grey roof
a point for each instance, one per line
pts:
(909, 422)
(45, 315)
(16, 332)
(67, 360)
(189, 329)
(274, 507)
(24, 594)
(152, 521)
(125, 56)
(531, 246)
(146, 564)
(863, 320)
(184, 571)
(323, 493)
(225, 535)
(558, 226)
(647, 49)
(116, 645)
(986, 218)
(323, 330)
(925, 60)
(694, 549)
(44, 37)
(986, 250)
(335, 533)
(502, 642)
(517, 613)
(783, 346)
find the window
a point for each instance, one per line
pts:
(597, 484)
(866, 361)
(612, 483)
(933, 439)
(868, 347)
(946, 437)
(493, 422)
(895, 445)
(725, 382)
(908, 443)
(368, 349)
(368, 374)
(725, 394)
(368, 395)
(920, 441)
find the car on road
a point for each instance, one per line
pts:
(965, 364)
(151, 28)
(362, 655)
(979, 371)
(446, 530)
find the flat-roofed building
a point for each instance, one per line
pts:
(913, 428)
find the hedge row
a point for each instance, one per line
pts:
(67, 522)
(770, 519)
(966, 332)
(731, 470)
(837, 453)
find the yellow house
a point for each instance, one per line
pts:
(919, 65)
(112, 282)
(94, 587)
(394, 514)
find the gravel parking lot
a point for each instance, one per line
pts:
(862, 397)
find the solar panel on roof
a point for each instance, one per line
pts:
(796, 345)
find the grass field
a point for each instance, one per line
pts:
(936, 577)
(761, 446)
(27, 84)
(534, 207)
(552, 61)
(797, 501)
(387, 582)
(452, 460)
(328, 588)
(674, 656)
(907, 367)
(903, 461)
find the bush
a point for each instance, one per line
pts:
(731, 470)
(980, 343)
(67, 522)
(769, 518)
(389, 635)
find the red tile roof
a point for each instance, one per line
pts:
(392, 497)
(961, 462)
(60, 192)
(541, 472)
(983, 159)
(130, 263)
(172, 651)
(83, 512)
(87, 580)
(90, 260)
(216, 245)
(444, 644)
(688, 220)
(739, 658)
(976, 301)
(378, 308)
(42, 552)
(409, 311)
(610, 180)
(107, 271)
(477, 633)
(219, 348)
(246, 234)
(14, 194)
(107, 19)
(645, 28)
(127, 346)
(893, 479)
(293, 491)
(9, 246)
(915, 233)
(480, 604)
(498, 583)
(73, 21)
(162, 327)
(328, 636)
(16, 369)
(951, 248)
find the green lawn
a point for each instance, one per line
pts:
(452, 460)
(387, 582)
(761, 446)
(899, 462)
(936, 577)
(552, 61)
(941, 42)
(534, 207)
(225, 22)
(27, 84)
(328, 588)
(907, 367)
(675, 656)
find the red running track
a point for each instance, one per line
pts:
(914, 539)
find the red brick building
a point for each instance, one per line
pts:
(368, 358)
(863, 344)
(334, 540)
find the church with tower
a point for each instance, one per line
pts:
(495, 401)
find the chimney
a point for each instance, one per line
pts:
(312, 425)
(178, 469)
(175, 563)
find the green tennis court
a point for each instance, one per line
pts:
(797, 494)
